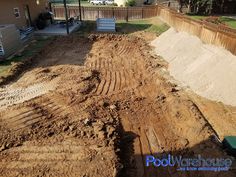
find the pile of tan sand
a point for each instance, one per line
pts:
(208, 70)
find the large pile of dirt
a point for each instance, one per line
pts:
(207, 69)
(96, 109)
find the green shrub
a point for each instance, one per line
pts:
(130, 3)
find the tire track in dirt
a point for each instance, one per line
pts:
(112, 80)
(11, 96)
(125, 76)
(30, 114)
(108, 83)
(115, 67)
(164, 124)
(44, 112)
(101, 85)
(55, 155)
(147, 143)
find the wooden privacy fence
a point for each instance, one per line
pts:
(120, 13)
(209, 33)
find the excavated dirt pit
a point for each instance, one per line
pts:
(96, 107)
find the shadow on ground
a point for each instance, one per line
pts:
(134, 165)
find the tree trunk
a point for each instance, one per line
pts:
(210, 11)
(222, 6)
(189, 6)
(180, 5)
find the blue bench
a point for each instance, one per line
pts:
(106, 24)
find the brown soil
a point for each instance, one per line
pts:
(95, 107)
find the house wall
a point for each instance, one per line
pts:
(36, 9)
(7, 11)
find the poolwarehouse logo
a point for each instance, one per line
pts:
(190, 164)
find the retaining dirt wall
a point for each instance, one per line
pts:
(209, 33)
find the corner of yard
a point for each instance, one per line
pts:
(30, 50)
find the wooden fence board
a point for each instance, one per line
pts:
(219, 35)
(120, 13)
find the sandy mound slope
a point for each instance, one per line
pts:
(209, 70)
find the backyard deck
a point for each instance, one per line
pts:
(57, 29)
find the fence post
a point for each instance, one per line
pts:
(127, 14)
(80, 16)
(83, 12)
(54, 11)
(68, 9)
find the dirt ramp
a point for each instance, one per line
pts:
(207, 69)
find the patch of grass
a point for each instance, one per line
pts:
(148, 25)
(158, 29)
(129, 27)
(142, 25)
(29, 51)
(229, 22)
(197, 17)
(86, 28)
(85, 3)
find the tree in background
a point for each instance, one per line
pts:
(204, 7)
(130, 3)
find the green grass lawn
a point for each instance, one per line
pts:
(29, 51)
(85, 3)
(141, 25)
(197, 17)
(230, 22)
(123, 27)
